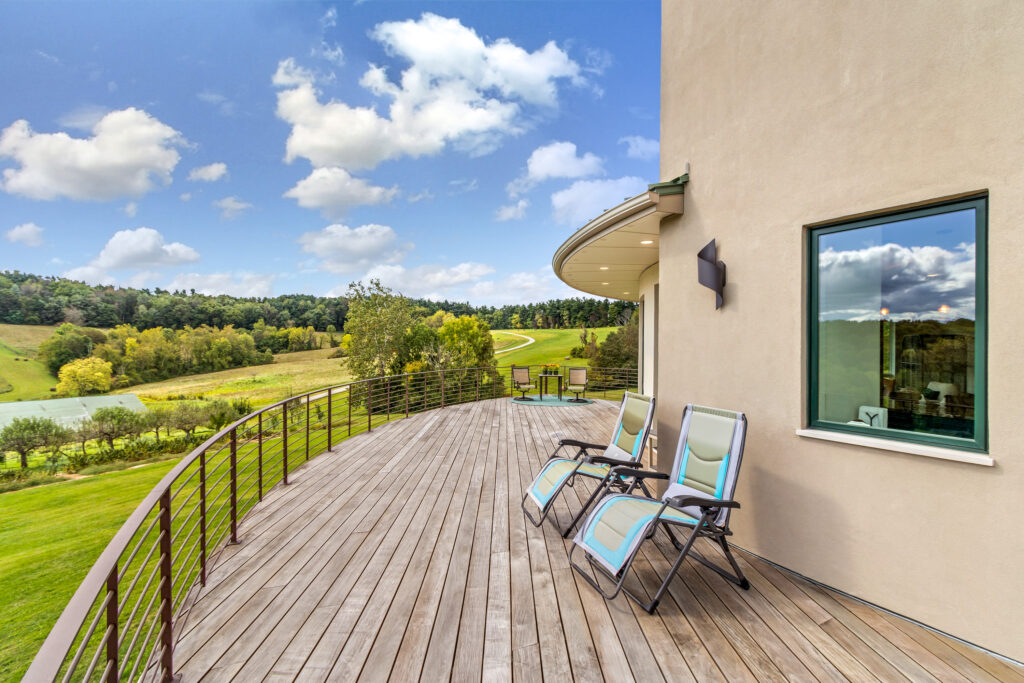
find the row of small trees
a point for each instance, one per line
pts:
(109, 425)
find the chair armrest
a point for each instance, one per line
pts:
(638, 474)
(582, 444)
(602, 460)
(702, 503)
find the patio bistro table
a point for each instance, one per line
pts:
(544, 384)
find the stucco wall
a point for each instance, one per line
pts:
(789, 116)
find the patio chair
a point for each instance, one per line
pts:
(629, 438)
(521, 382)
(577, 384)
(699, 498)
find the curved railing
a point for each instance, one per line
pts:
(121, 622)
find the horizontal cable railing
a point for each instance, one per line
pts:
(123, 619)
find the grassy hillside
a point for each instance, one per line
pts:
(290, 374)
(552, 346)
(25, 338)
(22, 378)
(50, 537)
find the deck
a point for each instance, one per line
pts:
(403, 555)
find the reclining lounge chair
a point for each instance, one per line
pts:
(629, 437)
(699, 498)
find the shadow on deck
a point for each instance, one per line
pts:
(403, 555)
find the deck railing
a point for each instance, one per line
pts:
(123, 619)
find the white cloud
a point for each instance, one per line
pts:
(639, 147)
(209, 173)
(84, 117)
(587, 199)
(29, 234)
(129, 152)
(130, 209)
(428, 281)
(224, 105)
(463, 185)
(521, 287)
(185, 196)
(420, 196)
(333, 191)
(341, 249)
(556, 160)
(212, 284)
(458, 90)
(231, 207)
(142, 248)
(512, 212)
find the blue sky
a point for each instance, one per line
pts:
(270, 148)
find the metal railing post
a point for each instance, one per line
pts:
(407, 378)
(476, 376)
(234, 486)
(369, 404)
(442, 388)
(307, 427)
(330, 430)
(387, 401)
(166, 584)
(259, 456)
(348, 398)
(202, 518)
(284, 441)
(112, 643)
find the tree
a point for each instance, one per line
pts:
(378, 320)
(65, 345)
(116, 422)
(621, 348)
(516, 321)
(85, 376)
(188, 416)
(25, 434)
(469, 340)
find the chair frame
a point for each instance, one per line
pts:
(704, 527)
(517, 384)
(569, 382)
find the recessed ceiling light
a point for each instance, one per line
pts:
(646, 241)
(604, 283)
(604, 267)
(625, 292)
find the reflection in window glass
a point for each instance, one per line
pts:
(896, 312)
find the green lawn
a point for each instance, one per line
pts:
(552, 346)
(50, 536)
(27, 378)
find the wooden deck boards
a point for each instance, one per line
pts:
(403, 555)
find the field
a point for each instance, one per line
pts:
(290, 374)
(552, 346)
(22, 378)
(50, 536)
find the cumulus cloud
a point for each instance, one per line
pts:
(639, 147)
(128, 154)
(557, 160)
(133, 250)
(521, 287)
(457, 90)
(212, 284)
(231, 207)
(911, 281)
(29, 234)
(341, 249)
(130, 209)
(209, 173)
(587, 199)
(512, 212)
(428, 281)
(333, 191)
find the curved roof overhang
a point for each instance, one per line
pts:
(607, 255)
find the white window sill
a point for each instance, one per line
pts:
(898, 446)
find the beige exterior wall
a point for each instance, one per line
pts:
(792, 115)
(648, 280)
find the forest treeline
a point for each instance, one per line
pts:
(46, 300)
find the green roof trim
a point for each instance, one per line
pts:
(674, 186)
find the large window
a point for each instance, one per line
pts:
(897, 325)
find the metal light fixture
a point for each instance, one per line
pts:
(711, 272)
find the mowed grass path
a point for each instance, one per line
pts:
(552, 346)
(289, 374)
(50, 536)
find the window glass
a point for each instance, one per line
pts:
(896, 346)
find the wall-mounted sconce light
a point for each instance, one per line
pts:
(711, 271)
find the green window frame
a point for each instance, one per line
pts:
(814, 233)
